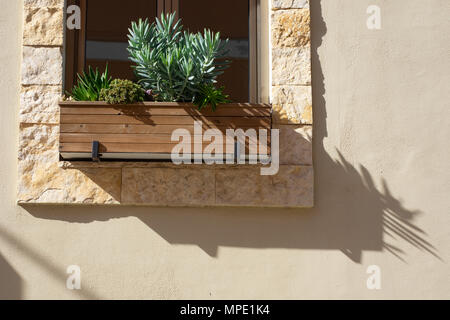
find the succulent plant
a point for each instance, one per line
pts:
(172, 63)
(90, 84)
(122, 92)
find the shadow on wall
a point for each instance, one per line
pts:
(350, 215)
(10, 281)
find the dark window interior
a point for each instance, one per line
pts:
(231, 19)
(107, 23)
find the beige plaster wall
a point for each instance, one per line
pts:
(382, 179)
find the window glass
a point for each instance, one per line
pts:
(107, 24)
(231, 18)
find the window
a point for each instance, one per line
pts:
(104, 27)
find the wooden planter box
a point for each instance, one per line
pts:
(143, 131)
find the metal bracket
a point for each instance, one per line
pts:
(95, 154)
(237, 152)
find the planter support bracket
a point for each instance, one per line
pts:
(95, 154)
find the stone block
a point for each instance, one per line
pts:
(291, 66)
(291, 187)
(41, 66)
(43, 26)
(292, 104)
(43, 3)
(39, 104)
(38, 143)
(295, 144)
(291, 28)
(46, 182)
(290, 4)
(168, 187)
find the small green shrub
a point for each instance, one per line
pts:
(172, 63)
(90, 84)
(209, 95)
(122, 92)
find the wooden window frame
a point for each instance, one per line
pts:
(75, 46)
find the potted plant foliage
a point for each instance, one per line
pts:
(177, 72)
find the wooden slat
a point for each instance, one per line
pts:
(168, 6)
(160, 7)
(152, 104)
(253, 50)
(157, 104)
(128, 147)
(75, 47)
(158, 120)
(176, 8)
(133, 138)
(82, 38)
(232, 111)
(141, 129)
(70, 65)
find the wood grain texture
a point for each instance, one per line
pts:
(144, 147)
(231, 111)
(147, 127)
(165, 120)
(142, 129)
(132, 138)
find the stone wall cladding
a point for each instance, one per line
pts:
(43, 179)
(43, 3)
(291, 62)
(43, 26)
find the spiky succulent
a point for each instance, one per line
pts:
(174, 63)
(210, 95)
(90, 84)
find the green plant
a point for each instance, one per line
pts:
(122, 92)
(208, 94)
(172, 63)
(90, 84)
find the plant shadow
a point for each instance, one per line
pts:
(11, 282)
(139, 113)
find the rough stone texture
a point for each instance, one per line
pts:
(292, 104)
(44, 3)
(291, 66)
(39, 104)
(42, 180)
(42, 66)
(290, 4)
(291, 187)
(46, 182)
(295, 144)
(43, 26)
(38, 143)
(290, 28)
(164, 187)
